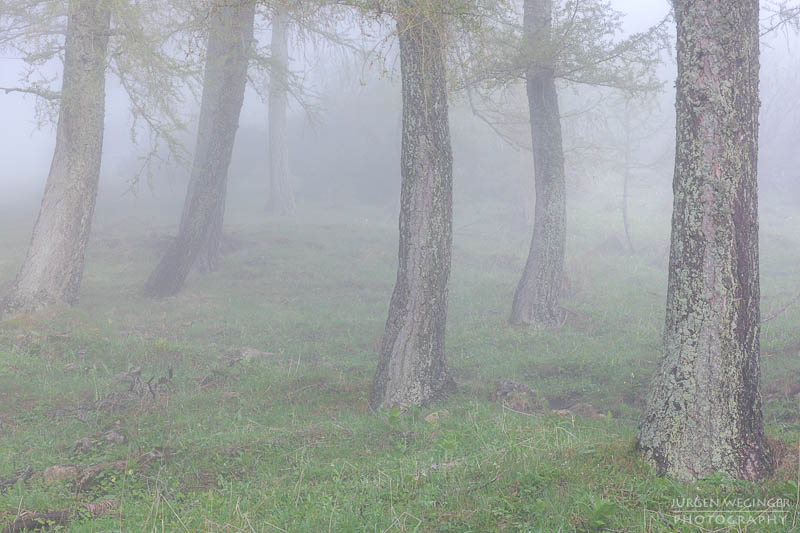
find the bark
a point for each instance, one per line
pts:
(53, 267)
(209, 257)
(703, 414)
(536, 300)
(281, 193)
(413, 368)
(229, 43)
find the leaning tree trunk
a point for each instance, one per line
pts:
(536, 300)
(229, 44)
(281, 194)
(703, 414)
(413, 368)
(53, 267)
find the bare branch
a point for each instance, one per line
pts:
(41, 93)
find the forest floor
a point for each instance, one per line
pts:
(241, 404)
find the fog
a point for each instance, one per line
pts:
(365, 159)
(342, 100)
(358, 303)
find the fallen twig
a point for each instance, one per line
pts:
(16, 476)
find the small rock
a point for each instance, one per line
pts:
(114, 437)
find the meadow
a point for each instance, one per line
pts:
(241, 404)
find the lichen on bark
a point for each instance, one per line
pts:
(413, 368)
(703, 414)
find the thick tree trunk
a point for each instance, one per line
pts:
(536, 300)
(53, 267)
(281, 193)
(413, 368)
(703, 413)
(227, 54)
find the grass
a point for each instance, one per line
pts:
(285, 441)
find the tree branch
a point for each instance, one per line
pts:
(41, 93)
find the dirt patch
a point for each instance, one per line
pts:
(564, 401)
(583, 409)
(518, 397)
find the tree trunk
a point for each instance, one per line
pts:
(229, 42)
(53, 267)
(536, 300)
(209, 257)
(626, 178)
(703, 414)
(281, 194)
(413, 368)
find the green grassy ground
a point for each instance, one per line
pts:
(285, 441)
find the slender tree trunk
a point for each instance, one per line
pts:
(626, 178)
(53, 267)
(281, 193)
(536, 300)
(703, 414)
(227, 54)
(413, 368)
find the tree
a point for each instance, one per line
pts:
(413, 368)
(703, 414)
(53, 267)
(537, 295)
(281, 195)
(227, 53)
(569, 42)
(635, 142)
(126, 39)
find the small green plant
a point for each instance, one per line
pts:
(600, 515)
